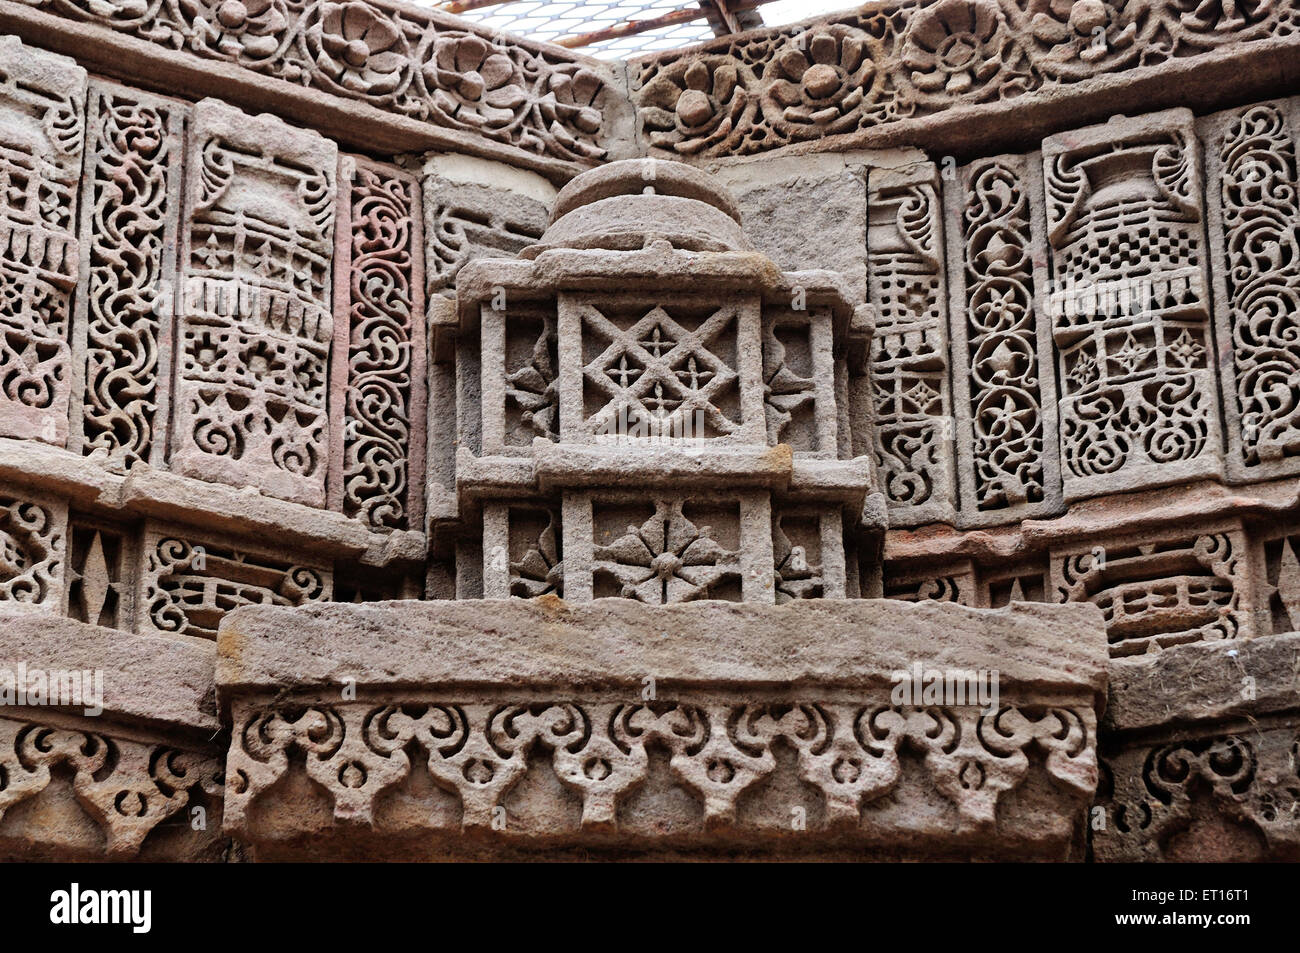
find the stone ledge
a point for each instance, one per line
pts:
(616, 642)
(557, 466)
(1205, 682)
(145, 491)
(1125, 513)
(159, 681)
(473, 728)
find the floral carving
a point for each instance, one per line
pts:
(696, 104)
(667, 558)
(1130, 319)
(569, 105)
(358, 47)
(921, 59)
(823, 79)
(540, 570)
(414, 63)
(1003, 463)
(475, 82)
(237, 28)
(959, 48)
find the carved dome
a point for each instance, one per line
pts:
(627, 205)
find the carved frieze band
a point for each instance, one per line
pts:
(410, 62)
(897, 61)
(127, 786)
(1243, 785)
(602, 752)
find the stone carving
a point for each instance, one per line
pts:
(122, 330)
(658, 376)
(581, 372)
(1160, 590)
(898, 63)
(1129, 310)
(1007, 449)
(954, 583)
(378, 384)
(186, 587)
(463, 222)
(416, 63)
(101, 571)
(1233, 796)
(1280, 606)
(522, 553)
(127, 786)
(33, 547)
(1255, 233)
(914, 424)
(799, 380)
(666, 559)
(808, 552)
(42, 110)
(256, 325)
(1004, 585)
(849, 751)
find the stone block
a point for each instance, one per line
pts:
(255, 324)
(42, 132)
(677, 730)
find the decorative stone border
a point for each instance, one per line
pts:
(377, 75)
(954, 75)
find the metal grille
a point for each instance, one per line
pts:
(614, 29)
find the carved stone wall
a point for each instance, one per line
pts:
(981, 302)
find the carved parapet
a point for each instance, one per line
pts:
(108, 744)
(1201, 755)
(505, 727)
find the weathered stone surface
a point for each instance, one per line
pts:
(887, 75)
(1210, 681)
(42, 130)
(1229, 792)
(413, 78)
(106, 744)
(145, 678)
(123, 323)
(616, 642)
(929, 328)
(782, 203)
(255, 323)
(541, 724)
(378, 389)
